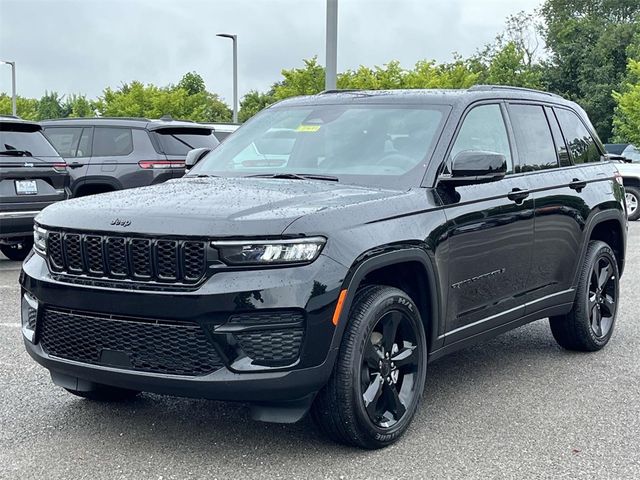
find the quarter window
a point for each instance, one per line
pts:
(536, 150)
(581, 144)
(112, 142)
(483, 129)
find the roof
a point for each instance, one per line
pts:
(425, 96)
(149, 124)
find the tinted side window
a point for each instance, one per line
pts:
(561, 146)
(65, 140)
(179, 142)
(536, 150)
(110, 142)
(581, 144)
(484, 130)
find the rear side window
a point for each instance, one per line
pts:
(65, 139)
(580, 142)
(112, 142)
(221, 135)
(536, 150)
(561, 146)
(484, 130)
(180, 141)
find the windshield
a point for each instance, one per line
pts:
(369, 145)
(32, 142)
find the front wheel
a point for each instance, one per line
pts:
(589, 325)
(379, 375)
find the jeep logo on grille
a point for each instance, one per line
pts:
(121, 223)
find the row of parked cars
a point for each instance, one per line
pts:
(58, 159)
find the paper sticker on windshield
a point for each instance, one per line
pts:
(308, 128)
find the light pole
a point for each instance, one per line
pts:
(13, 85)
(234, 38)
(330, 81)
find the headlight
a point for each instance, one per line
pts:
(269, 252)
(40, 239)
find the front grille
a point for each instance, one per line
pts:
(32, 317)
(170, 348)
(271, 346)
(139, 259)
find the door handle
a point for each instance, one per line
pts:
(518, 195)
(577, 184)
(75, 165)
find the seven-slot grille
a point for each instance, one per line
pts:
(141, 259)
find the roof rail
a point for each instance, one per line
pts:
(339, 90)
(16, 117)
(486, 88)
(141, 119)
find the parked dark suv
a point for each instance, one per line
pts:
(32, 176)
(106, 154)
(401, 226)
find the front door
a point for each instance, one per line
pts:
(489, 234)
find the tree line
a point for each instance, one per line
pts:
(591, 56)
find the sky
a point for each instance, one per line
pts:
(83, 46)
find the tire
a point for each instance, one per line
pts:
(17, 251)
(632, 197)
(363, 369)
(106, 393)
(589, 325)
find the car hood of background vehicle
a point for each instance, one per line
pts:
(214, 207)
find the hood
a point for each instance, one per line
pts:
(213, 207)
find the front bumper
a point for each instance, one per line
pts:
(312, 290)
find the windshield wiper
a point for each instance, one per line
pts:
(17, 153)
(296, 176)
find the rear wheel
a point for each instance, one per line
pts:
(589, 325)
(17, 251)
(632, 197)
(106, 393)
(379, 374)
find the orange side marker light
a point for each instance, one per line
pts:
(338, 311)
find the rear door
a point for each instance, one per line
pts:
(562, 188)
(74, 145)
(489, 234)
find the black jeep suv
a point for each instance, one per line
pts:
(397, 227)
(106, 154)
(32, 176)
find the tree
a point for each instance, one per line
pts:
(253, 102)
(192, 83)
(50, 106)
(626, 120)
(26, 108)
(78, 106)
(308, 80)
(588, 41)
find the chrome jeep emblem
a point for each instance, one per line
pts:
(28, 165)
(121, 223)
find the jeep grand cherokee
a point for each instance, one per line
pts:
(399, 226)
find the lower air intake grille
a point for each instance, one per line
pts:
(271, 346)
(131, 344)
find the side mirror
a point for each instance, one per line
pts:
(194, 156)
(472, 167)
(617, 158)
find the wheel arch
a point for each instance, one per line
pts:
(421, 285)
(609, 227)
(96, 183)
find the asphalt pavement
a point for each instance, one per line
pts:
(516, 407)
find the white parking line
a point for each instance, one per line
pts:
(13, 325)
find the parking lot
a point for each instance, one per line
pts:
(517, 407)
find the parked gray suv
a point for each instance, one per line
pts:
(106, 154)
